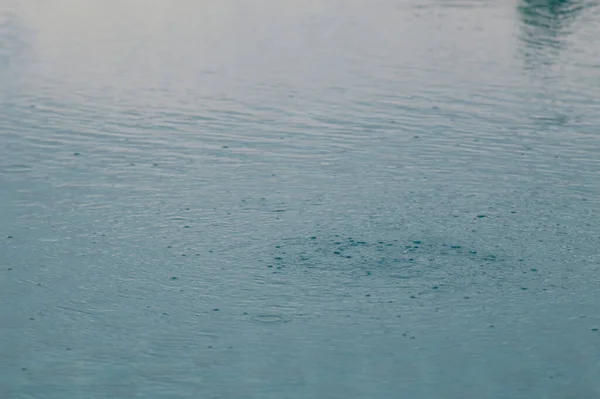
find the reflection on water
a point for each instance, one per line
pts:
(545, 27)
(15, 42)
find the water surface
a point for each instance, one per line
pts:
(322, 199)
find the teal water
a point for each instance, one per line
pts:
(299, 199)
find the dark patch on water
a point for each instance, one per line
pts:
(413, 261)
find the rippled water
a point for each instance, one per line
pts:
(299, 199)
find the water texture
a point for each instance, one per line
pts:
(299, 199)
